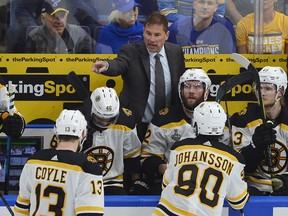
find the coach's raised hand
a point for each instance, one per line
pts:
(100, 66)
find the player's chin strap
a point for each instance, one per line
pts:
(188, 110)
(81, 142)
(80, 146)
(276, 102)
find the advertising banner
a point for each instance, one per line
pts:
(43, 91)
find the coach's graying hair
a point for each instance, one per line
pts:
(157, 18)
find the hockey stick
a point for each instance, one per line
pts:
(77, 84)
(6, 204)
(226, 87)
(249, 66)
(11, 92)
(231, 83)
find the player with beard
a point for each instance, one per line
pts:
(172, 124)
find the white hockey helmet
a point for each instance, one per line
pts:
(194, 74)
(105, 106)
(274, 75)
(209, 118)
(71, 123)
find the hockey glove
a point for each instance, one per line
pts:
(264, 136)
(280, 185)
(12, 125)
(139, 187)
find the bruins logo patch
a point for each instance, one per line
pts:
(243, 112)
(127, 111)
(91, 159)
(279, 156)
(103, 155)
(164, 111)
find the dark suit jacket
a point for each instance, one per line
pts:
(133, 65)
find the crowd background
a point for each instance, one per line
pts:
(19, 16)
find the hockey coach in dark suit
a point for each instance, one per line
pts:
(145, 91)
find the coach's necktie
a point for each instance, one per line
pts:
(159, 85)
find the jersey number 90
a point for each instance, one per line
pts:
(187, 180)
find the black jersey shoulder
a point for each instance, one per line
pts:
(283, 117)
(85, 109)
(126, 118)
(169, 115)
(212, 144)
(87, 163)
(250, 113)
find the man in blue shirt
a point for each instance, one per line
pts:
(177, 9)
(205, 32)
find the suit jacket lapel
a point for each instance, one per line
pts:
(144, 55)
(173, 67)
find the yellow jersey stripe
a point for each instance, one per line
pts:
(20, 211)
(89, 209)
(56, 164)
(23, 200)
(174, 124)
(173, 208)
(234, 199)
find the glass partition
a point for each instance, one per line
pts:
(199, 26)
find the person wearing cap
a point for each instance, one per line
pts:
(56, 35)
(123, 28)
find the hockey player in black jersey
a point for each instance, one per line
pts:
(171, 125)
(61, 180)
(265, 172)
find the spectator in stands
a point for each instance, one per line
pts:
(147, 7)
(252, 137)
(205, 32)
(136, 64)
(171, 125)
(203, 171)
(275, 31)
(237, 9)
(56, 35)
(88, 13)
(27, 13)
(112, 141)
(62, 181)
(175, 10)
(123, 28)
